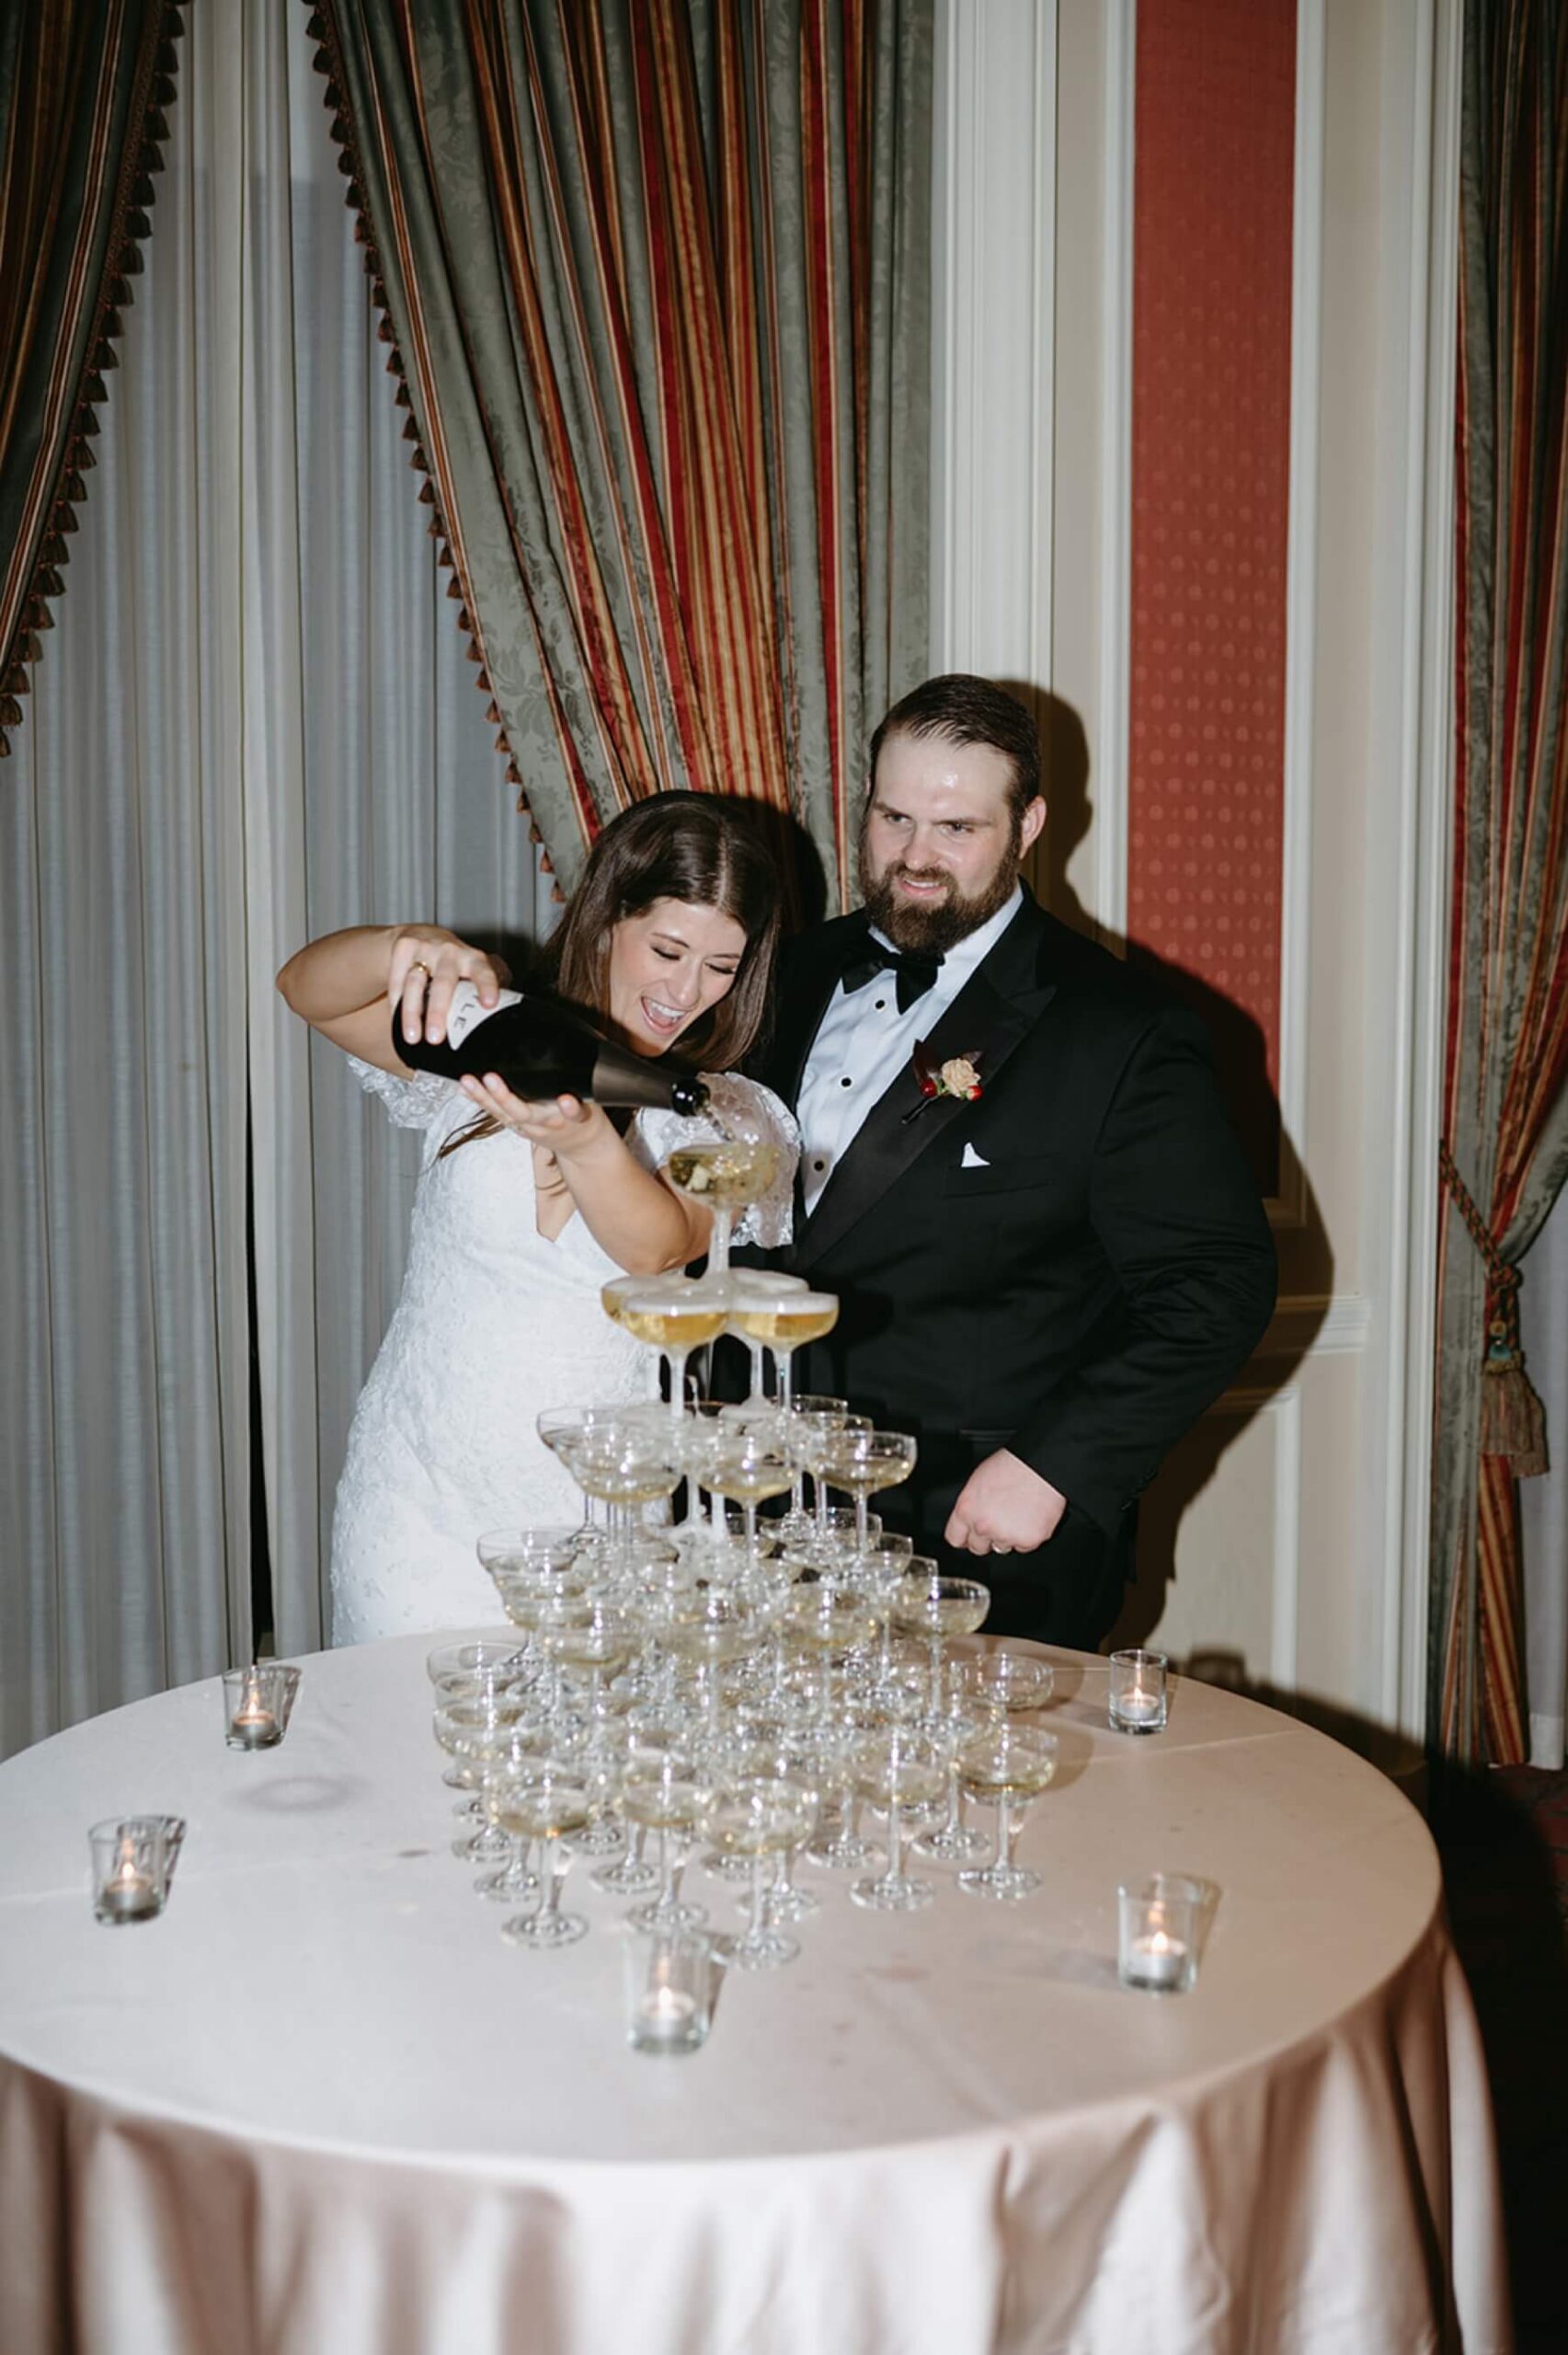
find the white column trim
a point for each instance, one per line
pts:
(1109, 779)
(1289, 1209)
(1425, 787)
(993, 326)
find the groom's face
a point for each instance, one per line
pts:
(939, 845)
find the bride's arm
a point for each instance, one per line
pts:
(643, 1224)
(346, 985)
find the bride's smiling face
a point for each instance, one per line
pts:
(667, 965)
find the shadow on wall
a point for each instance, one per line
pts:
(1241, 1064)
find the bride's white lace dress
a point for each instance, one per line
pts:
(494, 1323)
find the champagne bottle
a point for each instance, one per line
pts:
(543, 1049)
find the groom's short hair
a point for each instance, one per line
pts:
(965, 710)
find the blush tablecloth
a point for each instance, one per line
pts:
(320, 2106)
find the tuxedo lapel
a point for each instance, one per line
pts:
(994, 1011)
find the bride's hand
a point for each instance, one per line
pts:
(425, 963)
(564, 1123)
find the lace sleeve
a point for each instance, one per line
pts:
(422, 1102)
(737, 1107)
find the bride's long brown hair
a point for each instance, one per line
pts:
(687, 847)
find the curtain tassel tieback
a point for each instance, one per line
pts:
(1512, 1420)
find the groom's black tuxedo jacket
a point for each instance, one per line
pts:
(1078, 1287)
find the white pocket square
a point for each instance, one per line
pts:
(973, 1160)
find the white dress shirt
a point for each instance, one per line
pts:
(863, 1042)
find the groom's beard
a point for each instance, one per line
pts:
(935, 925)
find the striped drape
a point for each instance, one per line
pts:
(1507, 1081)
(654, 274)
(82, 86)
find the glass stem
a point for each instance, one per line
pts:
(935, 1697)
(758, 1394)
(677, 1363)
(782, 1360)
(718, 1242)
(861, 1529)
(559, 1864)
(895, 1843)
(1009, 1824)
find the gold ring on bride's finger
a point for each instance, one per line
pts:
(418, 965)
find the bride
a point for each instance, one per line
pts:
(524, 1209)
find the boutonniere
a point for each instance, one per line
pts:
(959, 1076)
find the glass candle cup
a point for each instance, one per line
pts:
(668, 1982)
(133, 1861)
(256, 1702)
(1157, 1934)
(1139, 1692)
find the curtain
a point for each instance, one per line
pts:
(656, 275)
(82, 93)
(1544, 1504)
(1507, 1105)
(256, 722)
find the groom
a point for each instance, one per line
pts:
(1017, 1175)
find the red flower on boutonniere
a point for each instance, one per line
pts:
(959, 1076)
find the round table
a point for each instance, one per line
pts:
(320, 2105)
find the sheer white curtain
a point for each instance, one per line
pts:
(252, 722)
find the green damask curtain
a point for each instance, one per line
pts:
(656, 278)
(83, 84)
(1505, 1153)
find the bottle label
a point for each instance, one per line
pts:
(466, 1013)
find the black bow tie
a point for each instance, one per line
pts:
(915, 970)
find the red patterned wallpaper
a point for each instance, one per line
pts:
(1210, 485)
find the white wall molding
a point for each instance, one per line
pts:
(1290, 1210)
(1423, 775)
(994, 324)
(1110, 744)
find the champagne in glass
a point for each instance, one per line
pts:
(724, 1174)
(928, 1602)
(1008, 1767)
(896, 1770)
(760, 1283)
(862, 1462)
(758, 1817)
(674, 1315)
(547, 1801)
(784, 1325)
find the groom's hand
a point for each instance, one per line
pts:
(1003, 1508)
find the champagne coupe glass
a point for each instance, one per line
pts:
(1012, 1679)
(664, 1791)
(1008, 1767)
(758, 1817)
(779, 1754)
(809, 1420)
(760, 1283)
(549, 1801)
(508, 1554)
(748, 1470)
(529, 1740)
(862, 1462)
(612, 1297)
(897, 1770)
(458, 1671)
(475, 1730)
(626, 1466)
(828, 1426)
(784, 1325)
(559, 1427)
(961, 1720)
(927, 1603)
(825, 1622)
(723, 1175)
(674, 1315)
(713, 1627)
